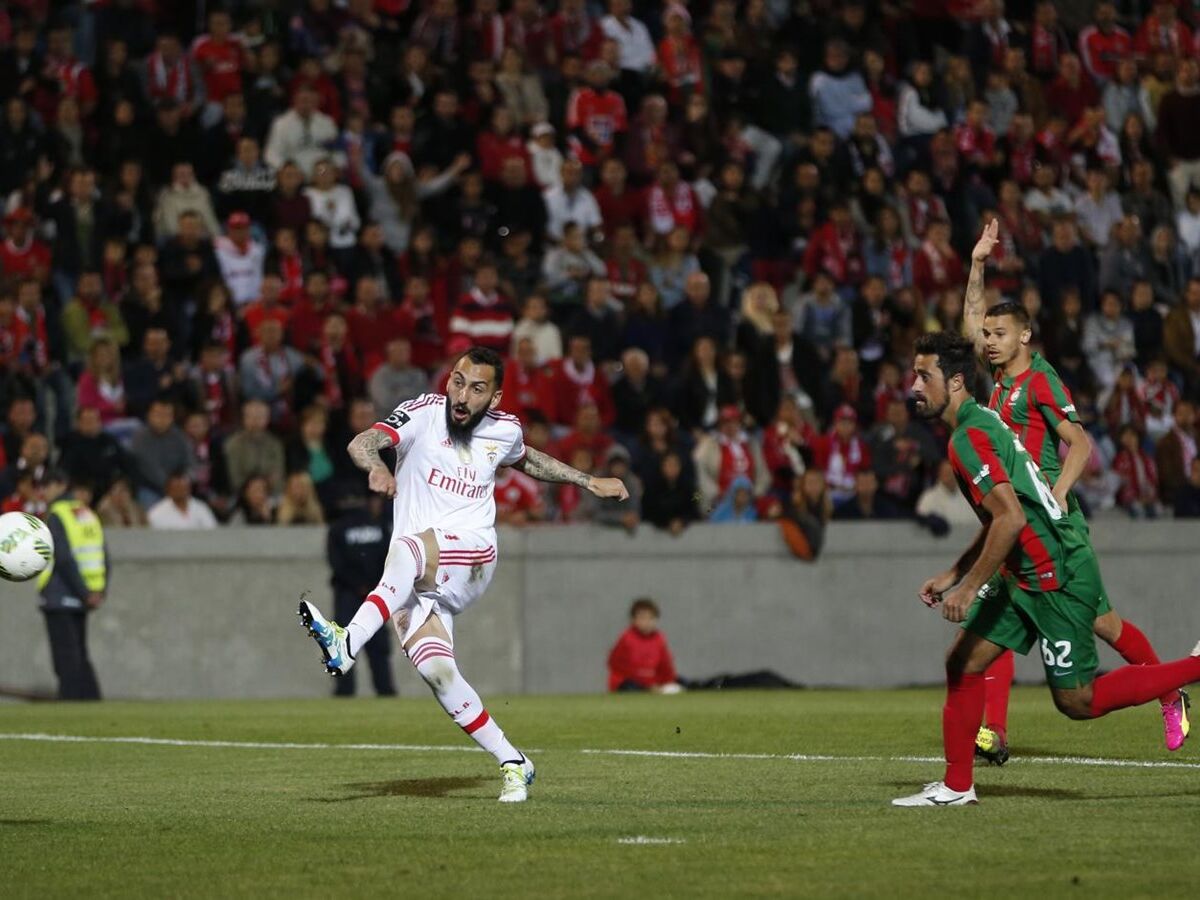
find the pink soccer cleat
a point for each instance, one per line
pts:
(1176, 724)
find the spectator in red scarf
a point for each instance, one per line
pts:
(211, 386)
(577, 381)
(787, 446)
(653, 138)
(937, 267)
(1138, 494)
(573, 30)
(340, 366)
(527, 28)
(727, 454)
(836, 248)
(418, 319)
(671, 203)
(173, 78)
(841, 453)
(619, 204)
(1163, 32)
(1048, 41)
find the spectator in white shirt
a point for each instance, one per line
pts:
(633, 38)
(301, 135)
(571, 202)
(240, 259)
(184, 194)
(547, 159)
(1187, 222)
(1099, 209)
(179, 510)
(333, 205)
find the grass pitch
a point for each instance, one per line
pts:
(156, 820)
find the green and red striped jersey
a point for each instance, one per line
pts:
(985, 452)
(1034, 404)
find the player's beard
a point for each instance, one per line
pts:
(461, 433)
(925, 410)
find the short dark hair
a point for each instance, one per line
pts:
(1009, 308)
(956, 355)
(643, 604)
(483, 356)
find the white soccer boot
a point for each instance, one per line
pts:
(330, 637)
(937, 794)
(517, 779)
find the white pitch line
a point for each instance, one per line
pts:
(643, 839)
(659, 754)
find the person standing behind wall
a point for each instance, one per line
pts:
(357, 547)
(73, 585)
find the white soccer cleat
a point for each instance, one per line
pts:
(330, 637)
(937, 794)
(517, 779)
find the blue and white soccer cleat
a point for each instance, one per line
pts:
(517, 779)
(330, 637)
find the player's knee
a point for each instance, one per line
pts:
(1074, 705)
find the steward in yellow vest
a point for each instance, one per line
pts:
(73, 584)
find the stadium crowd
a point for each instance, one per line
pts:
(706, 234)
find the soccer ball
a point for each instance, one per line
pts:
(26, 546)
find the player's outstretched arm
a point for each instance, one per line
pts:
(364, 451)
(544, 467)
(974, 305)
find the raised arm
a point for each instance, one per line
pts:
(973, 302)
(364, 451)
(544, 467)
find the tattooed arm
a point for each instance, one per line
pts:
(544, 467)
(973, 302)
(364, 451)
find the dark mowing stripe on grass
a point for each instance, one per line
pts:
(661, 754)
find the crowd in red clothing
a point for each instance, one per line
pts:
(706, 235)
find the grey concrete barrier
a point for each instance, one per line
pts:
(212, 614)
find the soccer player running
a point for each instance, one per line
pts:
(1052, 586)
(1032, 400)
(443, 550)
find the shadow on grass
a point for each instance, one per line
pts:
(20, 823)
(404, 787)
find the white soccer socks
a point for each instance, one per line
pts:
(434, 660)
(405, 564)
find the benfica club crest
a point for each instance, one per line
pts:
(492, 451)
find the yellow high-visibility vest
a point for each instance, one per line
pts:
(85, 537)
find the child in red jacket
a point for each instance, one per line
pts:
(641, 660)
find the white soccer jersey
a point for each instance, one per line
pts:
(440, 484)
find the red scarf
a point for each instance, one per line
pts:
(173, 82)
(333, 384)
(677, 210)
(736, 461)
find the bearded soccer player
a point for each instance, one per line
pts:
(443, 550)
(1032, 400)
(1051, 582)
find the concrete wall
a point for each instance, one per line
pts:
(213, 614)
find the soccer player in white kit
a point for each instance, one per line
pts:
(443, 550)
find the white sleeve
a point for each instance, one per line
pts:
(516, 450)
(403, 423)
